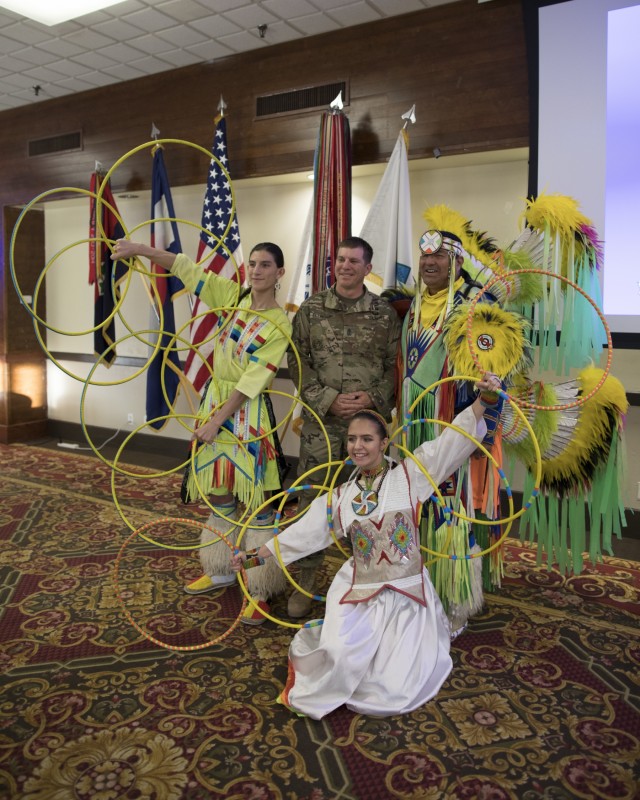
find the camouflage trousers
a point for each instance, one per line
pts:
(313, 453)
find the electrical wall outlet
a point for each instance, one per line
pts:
(129, 419)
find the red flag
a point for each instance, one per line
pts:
(104, 273)
(221, 244)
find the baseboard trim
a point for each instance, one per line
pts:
(155, 445)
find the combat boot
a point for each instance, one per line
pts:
(299, 604)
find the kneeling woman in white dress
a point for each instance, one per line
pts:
(384, 646)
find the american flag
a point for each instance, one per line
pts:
(219, 251)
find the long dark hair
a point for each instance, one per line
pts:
(272, 248)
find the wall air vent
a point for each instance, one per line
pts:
(300, 99)
(62, 143)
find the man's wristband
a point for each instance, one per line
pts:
(489, 399)
(254, 561)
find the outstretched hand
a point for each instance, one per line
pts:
(489, 387)
(124, 249)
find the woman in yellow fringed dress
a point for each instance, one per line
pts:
(251, 340)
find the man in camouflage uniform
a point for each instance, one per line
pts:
(347, 339)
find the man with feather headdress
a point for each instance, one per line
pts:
(445, 285)
(526, 309)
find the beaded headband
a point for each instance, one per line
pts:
(431, 241)
(371, 413)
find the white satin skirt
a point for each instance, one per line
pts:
(384, 656)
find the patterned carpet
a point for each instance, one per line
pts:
(543, 702)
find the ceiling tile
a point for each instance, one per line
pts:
(94, 18)
(50, 90)
(217, 25)
(19, 80)
(128, 7)
(240, 42)
(7, 17)
(287, 9)
(250, 16)
(61, 48)
(10, 101)
(123, 72)
(150, 44)
(327, 5)
(355, 14)
(69, 68)
(184, 10)
(220, 6)
(34, 55)
(88, 39)
(25, 33)
(91, 61)
(280, 32)
(149, 65)
(315, 23)
(118, 29)
(181, 58)
(150, 20)
(14, 64)
(182, 36)
(75, 85)
(209, 51)
(97, 78)
(120, 53)
(9, 45)
(394, 7)
(64, 28)
(43, 75)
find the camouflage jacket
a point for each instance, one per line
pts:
(345, 346)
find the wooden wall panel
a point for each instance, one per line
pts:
(23, 391)
(463, 65)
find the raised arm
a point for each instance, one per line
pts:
(442, 456)
(125, 249)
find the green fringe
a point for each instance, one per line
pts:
(558, 525)
(451, 578)
(424, 432)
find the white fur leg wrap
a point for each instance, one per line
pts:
(267, 580)
(215, 558)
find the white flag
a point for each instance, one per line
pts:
(300, 287)
(387, 227)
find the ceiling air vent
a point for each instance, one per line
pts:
(300, 99)
(62, 143)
